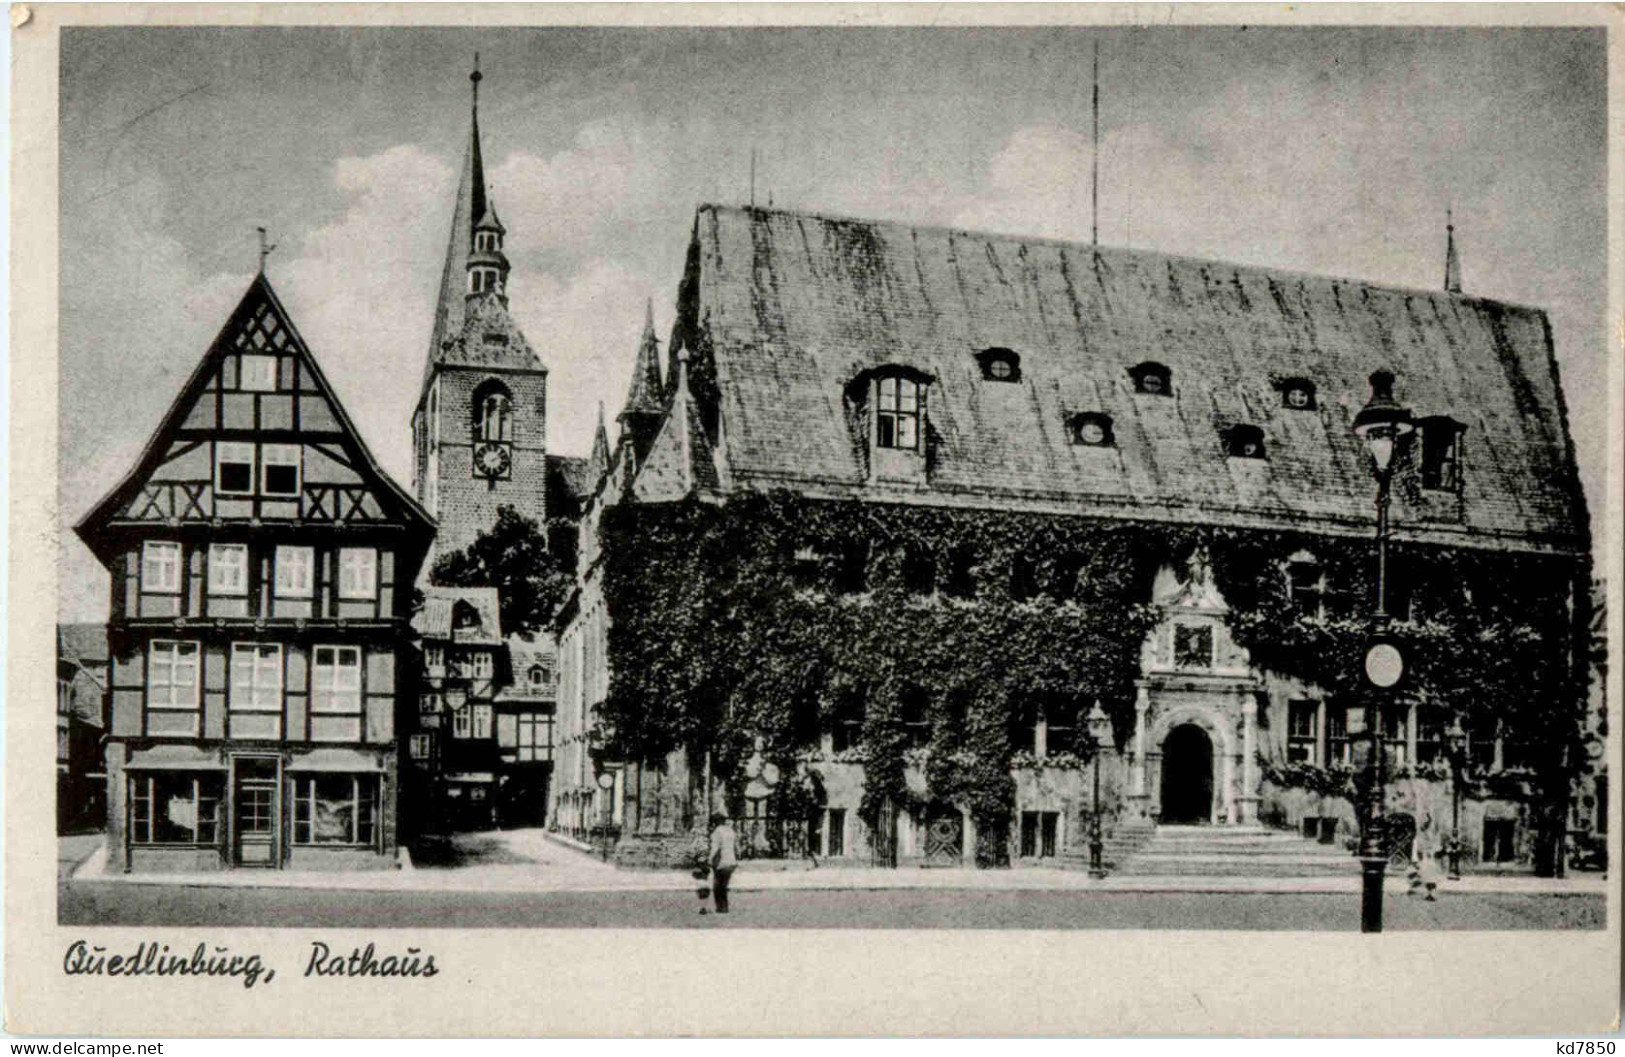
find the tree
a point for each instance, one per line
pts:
(514, 557)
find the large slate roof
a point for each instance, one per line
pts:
(794, 306)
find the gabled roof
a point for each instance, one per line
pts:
(790, 307)
(438, 617)
(257, 300)
(523, 655)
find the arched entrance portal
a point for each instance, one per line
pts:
(1187, 775)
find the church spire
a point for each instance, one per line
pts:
(1452, 263)
(640, 418)
(598, 461)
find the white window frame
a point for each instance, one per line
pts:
(434, 659)
(153, 562)
(462, 722)
(421, 746)
(220, 584)
(262, 379)
(289, 581)
(358, 573)
(256, 677)
(234, 451)
(282, 455)
(173, 694)
(539, 747)
(481, 721)
(335, 681)
(483, 667)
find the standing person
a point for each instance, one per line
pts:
(724, 857)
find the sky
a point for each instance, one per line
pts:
(1334, 151)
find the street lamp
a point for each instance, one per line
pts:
(1100, 729)
(606, 782)
(1456, 739)
(1380, 425)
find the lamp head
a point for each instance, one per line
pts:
(1456, 736)
(1382, 421)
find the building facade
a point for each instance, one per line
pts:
(261, 566)
(1140, 470)
(480, 747)
(81, 690)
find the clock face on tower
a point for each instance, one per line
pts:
(492, 460)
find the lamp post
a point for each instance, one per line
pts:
(1100, 729)
(1456, 739)
(1380, 425)
(606, 782)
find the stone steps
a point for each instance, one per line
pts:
(1235, 851)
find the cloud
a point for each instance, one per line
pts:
(361, 290)
(586, 329)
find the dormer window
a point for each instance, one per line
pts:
(1152, 378)
(1297, 394)
(1441, 453)
(1091, 430)
(897, 413)
(1244, 442)
(999, 365)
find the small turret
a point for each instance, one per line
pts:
(640, 418)
(1452, 263)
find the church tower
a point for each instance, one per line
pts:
(479, 432)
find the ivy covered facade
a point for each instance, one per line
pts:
(913, 507)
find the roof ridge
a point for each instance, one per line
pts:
(1046, 240)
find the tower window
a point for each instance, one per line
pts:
(999, 365)
(493, 413)
(897, 413)
(1092, 430)
(1244, 442)
(1152, 378)
(1441, 453)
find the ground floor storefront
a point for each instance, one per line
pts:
(198, 808)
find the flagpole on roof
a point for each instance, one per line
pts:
(1094, 159)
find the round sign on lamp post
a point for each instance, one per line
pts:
(606, 782)
(1384, 665)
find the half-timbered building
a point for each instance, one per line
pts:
(261, 565)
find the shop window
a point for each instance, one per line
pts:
(335, 809)
(1303, 731)
(1038, 834)
(175, 808)
(1193, 646)
(233, 468)
(295, 572)
(1500, 835)
(228, 569)
(358, 573)
(161, 568)
(999, 365)
(279, 469)
(172, 688)
(1152, 378)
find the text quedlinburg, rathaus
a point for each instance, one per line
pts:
(154, 959)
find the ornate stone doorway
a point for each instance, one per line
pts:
(1187, 775)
